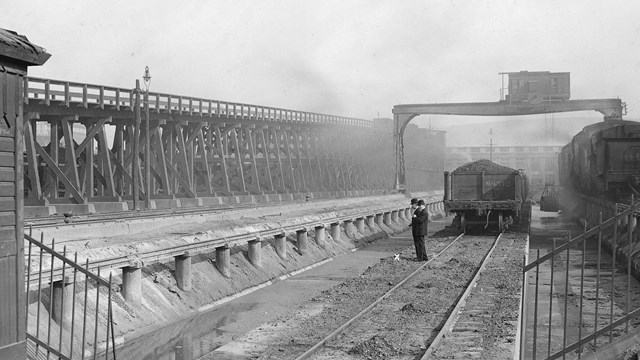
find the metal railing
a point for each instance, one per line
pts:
(71, 316)
(603, 310)
(57, 92)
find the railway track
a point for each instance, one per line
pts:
(372, 332)
(477, 328)
(398, 322)
(37, 223)
(326, 341)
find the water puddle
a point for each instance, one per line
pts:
(187, 339)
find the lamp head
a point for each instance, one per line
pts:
(146, 77)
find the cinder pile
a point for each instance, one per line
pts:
(377, 347)
(483, 165)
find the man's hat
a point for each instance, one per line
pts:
(414, 201)
(420, 202)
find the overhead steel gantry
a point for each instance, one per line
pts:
(612, 109)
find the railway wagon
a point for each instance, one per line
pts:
(485, 193)
(603, 161)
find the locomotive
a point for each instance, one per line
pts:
(603, 161)
(483, 192)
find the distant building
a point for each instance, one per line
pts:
(540, 163)
(43, 133)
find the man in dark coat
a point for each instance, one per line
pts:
(419, 230)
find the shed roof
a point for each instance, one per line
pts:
(18, 48)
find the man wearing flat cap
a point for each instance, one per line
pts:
(419, 229)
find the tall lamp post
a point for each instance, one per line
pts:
(135, 167)
(147, 149)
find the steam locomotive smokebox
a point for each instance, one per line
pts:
(483, 192)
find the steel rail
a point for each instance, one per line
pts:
(460, 303)
(153, 256)
(36, 223)
(343, 327)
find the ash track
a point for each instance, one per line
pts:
(393, 329)
(411, 317)
(485, 327)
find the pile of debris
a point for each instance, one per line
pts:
(376, 347)
(484, 165)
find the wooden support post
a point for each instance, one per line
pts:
(223, 260)
(335, 231)
(54, 140)
(255, 251)
(320, 235)
(132, 284)
(88, 166)
(281, 245)
(183, 271)
(301, 240)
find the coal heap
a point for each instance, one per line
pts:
(484, 165)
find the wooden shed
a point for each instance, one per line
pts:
(16, 54)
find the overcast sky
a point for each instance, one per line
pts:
(350, 58)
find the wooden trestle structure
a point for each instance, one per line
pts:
(198, 147)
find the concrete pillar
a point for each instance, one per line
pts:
(379, 220)
(335, 231)
(394, 216)
(223, 260)
(408, 214)
(401, 217)
(370, 222)
(387, 218)
(348, 227)
(132, 284)
(360, 225)
(255, 251)
(320, 235)
(183, 271)
(62, 301)
(301, 240)
(281, 245)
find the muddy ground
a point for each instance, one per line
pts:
(395, 329)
